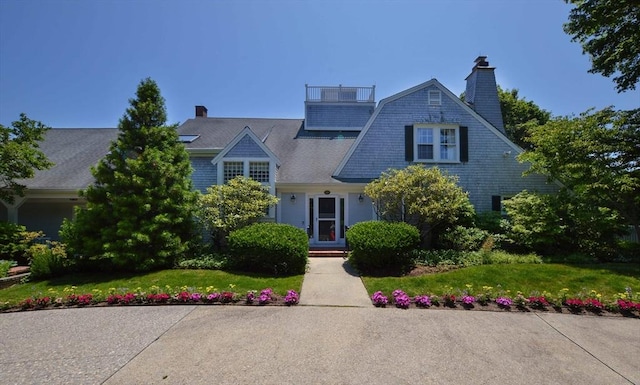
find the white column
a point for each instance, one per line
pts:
(12, 209)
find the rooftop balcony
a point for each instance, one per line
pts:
(340, 94)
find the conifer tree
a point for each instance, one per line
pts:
(140, 209)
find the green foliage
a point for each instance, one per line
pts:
(490, 221)
(20, 155)
(48, 260)
(595, 156)
(534, 221)
(562, 223)
(208, 262)
(608, 33)
(423, 197)
(5, 266)
(467, 258)
(463, 238)
(379, 247)
(140, 209)
(270, 248)
(12, 242)
(236, 204)
(520, 114)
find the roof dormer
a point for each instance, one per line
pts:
(338, 108)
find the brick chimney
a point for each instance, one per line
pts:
(482, 92)
(201, 112)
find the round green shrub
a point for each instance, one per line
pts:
(270, 248)
(463, 238)
(382, 247)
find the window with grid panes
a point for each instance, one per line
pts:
(232, 170)
(259, 171)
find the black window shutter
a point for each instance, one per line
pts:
(408, 143)
(496, 203)
(464, 144)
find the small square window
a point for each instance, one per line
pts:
(259, 171)
(232, 170)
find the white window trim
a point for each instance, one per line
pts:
(434, 101)
(436, 142)
(245, 169)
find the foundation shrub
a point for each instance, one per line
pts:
(269, 248)
(47, 260)
(382, 247)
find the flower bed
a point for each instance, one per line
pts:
(153, 296)
(488, 298)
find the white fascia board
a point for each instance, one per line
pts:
(242, 134)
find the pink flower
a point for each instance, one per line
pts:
(379, 299)
(291, 298)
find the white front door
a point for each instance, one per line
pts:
(326, 219)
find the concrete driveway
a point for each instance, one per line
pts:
(314, 345)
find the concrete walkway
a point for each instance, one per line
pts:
(332, 282)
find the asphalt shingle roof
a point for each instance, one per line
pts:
(308, 157)
(73, 151)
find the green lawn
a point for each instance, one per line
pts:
(606, 279)
(193, 280)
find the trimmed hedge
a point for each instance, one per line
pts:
(382, 247)
(270, 248)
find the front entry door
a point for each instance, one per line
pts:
(326, 219)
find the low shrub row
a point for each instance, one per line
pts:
(593, 302)
(470, 258)
(154, 296)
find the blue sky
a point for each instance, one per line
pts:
(76, 63)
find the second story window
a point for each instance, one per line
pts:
(436, 144)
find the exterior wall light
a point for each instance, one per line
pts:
(360, 198)
(293, 198)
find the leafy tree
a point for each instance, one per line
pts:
(140, 209)
(519, 114)
(596, 156)
(609, 33)
(231, 206)
(20, 155)
(423, 197)
(562, 223)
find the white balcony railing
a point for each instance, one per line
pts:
(340, 94)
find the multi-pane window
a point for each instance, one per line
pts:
(232, 170)
(425, 143)
(448, 144)
(259, 171)
(437, 144)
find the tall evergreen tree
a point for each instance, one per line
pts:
(140, 209)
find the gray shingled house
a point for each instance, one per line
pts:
(317, 166)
